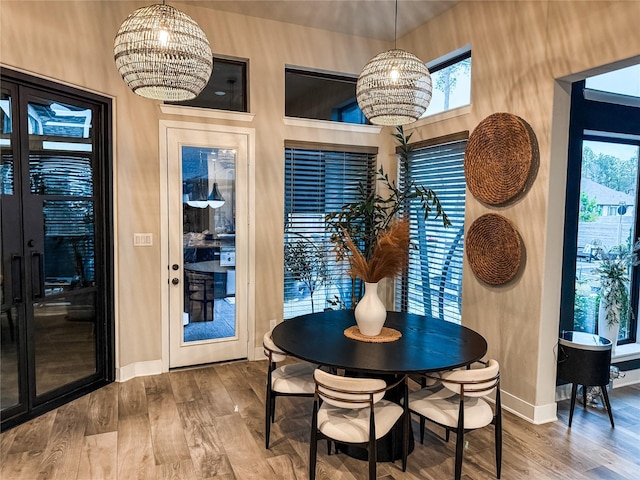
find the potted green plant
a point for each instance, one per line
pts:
(615, 306)
(364, 221)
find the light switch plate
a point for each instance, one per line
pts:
(142, 239)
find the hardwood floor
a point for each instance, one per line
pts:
(207, 423)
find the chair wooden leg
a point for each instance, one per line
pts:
(459, 442)
(498, 435)
(313, 443)
(574, 392)
(605, 395)
(267, 415)
(584, 397)
(373, 458)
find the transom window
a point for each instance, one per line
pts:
(451, 80)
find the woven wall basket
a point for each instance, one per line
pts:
(498, 158)
(494, 249)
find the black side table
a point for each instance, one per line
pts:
(585, 359)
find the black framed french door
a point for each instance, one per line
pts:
(55, 232)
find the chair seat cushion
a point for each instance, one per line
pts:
(293, 378)
(352, 425)
(442, 407)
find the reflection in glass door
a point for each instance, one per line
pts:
(209, 249)
(54, 305)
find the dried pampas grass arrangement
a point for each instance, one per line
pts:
(389, 258)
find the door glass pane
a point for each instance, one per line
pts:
(60, 175)
(69, 245)
(6, 154)
(208, 193)
(608, 187)
(65, 347)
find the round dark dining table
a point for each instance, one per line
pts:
(426, 345)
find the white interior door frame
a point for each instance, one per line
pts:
(249, 133)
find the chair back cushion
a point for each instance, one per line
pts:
(347, 392)
(277, 355)
(477, 382)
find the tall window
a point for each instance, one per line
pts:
(318, 180)
(451, 79)
(433, 284)
(601, 211)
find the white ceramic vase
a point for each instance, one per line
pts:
(607, 331)
(370, 312)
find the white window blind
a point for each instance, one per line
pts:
(318, 181)
(432, 285)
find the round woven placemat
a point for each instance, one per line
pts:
(386, 335)
(498, 158)
(494, 249)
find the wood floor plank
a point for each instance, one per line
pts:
(213, 391)
(248, 459)
(135, 451)
(61, 457)
(103, 410)
(167, 435)
(33, 435)
(206, 448)
(283, 467)
(184, 386)
(132, 398)
(177, 471)
(99, 459)
(21, 466)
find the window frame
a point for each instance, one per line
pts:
(587, 115)
(316, 198)
(456, 241)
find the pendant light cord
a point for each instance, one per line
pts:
(395, 27)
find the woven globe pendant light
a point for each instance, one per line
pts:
(163, 54)
(394, 87)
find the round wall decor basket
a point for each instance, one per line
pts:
(494, 249)
(498, 158)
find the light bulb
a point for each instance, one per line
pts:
(163, 36)
(394, 74)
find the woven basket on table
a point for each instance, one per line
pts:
(498, 159)
(494, 249)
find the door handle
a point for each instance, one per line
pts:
(16, 278)
(36, 275)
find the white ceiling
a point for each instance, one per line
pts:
(366, 18)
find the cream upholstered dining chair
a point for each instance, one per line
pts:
(294, 380)
(353, 411)
(458, 406)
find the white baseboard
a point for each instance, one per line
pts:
(536, 414)
(138, 369)
(258, 353)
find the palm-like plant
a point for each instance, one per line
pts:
(364, 221)
(614, 282)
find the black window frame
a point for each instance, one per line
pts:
(585, 115)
